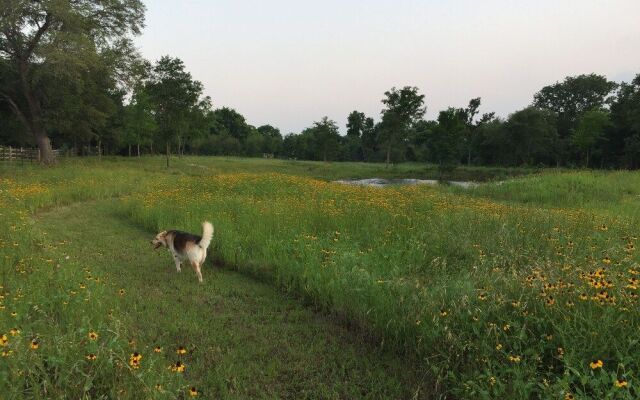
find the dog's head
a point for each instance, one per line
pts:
(160, 240)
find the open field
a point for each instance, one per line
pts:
(524, 289)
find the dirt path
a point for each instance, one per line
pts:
(246, 339)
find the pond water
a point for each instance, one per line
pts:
(378, 182)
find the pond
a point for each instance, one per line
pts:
(379, 182)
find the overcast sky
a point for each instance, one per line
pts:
(290, 62)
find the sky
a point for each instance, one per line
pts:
(288, 63)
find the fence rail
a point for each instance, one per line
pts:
(10, 154)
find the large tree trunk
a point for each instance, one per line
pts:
(33, 120)
(45, 150)
(129, 150)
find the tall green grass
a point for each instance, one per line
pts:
(505, 291)
(490, 294)
(614, 192)
(50, 302)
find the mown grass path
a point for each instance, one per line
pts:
(244, 338)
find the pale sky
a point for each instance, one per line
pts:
(290, 62)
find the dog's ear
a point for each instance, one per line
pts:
(162, 234)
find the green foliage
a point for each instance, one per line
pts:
(368, 140)
(177, 101)
(632, 150)
(272, 139)
(625, 118)
(573, 97)
(590, 131)
(228, 121)
(404, 108)
(356, 124)
(175, 95)
(533, 133)
(443, 140)
(139, 122)
(325, 138)
(64, 50)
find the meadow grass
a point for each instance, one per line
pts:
(525, 289)
(85, 303)
(615, 192)
(334, 170)
(61, 334)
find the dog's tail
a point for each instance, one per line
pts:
(207, 234)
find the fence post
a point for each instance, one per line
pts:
(10, 158)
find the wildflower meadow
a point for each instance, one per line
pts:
(526, 288)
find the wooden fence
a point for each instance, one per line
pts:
(20, 154)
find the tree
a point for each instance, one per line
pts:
(494, 143)
(533, 135)
(42, 42)
(232, 122)
(355, 124)
(443, 140)
(632, 151)
(254, 144)
(470, 137)
(272, 139)
(139, 121)
(326, 138)
(368, 140)
(625, 124)
(590, 132)
(176, 97)
(404, 108)
(572, 98)
(299, 146)
(419, 140)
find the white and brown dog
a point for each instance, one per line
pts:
(186, 246)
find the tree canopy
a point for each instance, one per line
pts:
(70, 50)
(404, 108)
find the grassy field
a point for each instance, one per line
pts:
(522, 289)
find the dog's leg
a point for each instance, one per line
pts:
(204, 256)
(177, 260)
(196, 267)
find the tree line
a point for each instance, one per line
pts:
(583, 121)
(69, 75)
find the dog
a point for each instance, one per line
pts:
(186, 246)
